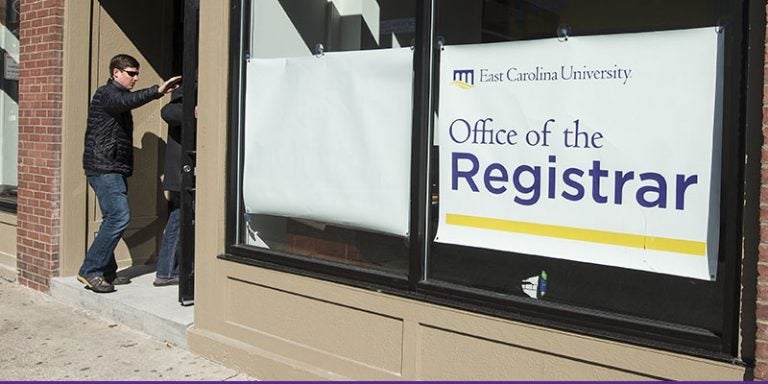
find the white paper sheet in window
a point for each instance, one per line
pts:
(328, 138)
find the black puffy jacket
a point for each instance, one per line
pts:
(109, 134)
(172, 113)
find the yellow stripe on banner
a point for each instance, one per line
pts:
(462, 84)
(696, 248)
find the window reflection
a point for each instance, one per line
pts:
(488, 21)
(284, 29)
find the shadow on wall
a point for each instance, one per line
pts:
(309, 18)
(149, 25)
(319, 21)
(151, 150)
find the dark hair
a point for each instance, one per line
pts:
(122, 61)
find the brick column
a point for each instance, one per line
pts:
(761, 342)
(40, 95)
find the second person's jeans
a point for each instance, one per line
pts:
(168, 257)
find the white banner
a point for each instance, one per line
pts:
(328, 138)
(602, 149)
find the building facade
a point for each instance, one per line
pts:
(292, 282)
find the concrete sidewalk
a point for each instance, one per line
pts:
(140, 305)
(42, 338)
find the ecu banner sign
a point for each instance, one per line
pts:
(599, 149)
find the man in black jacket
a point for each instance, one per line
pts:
(108, 161)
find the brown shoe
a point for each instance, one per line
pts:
(162, 282)
(96, 284)
(118, 280)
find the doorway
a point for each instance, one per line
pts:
(163, 37)
(189, 153)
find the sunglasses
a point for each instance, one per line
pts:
(131, 73)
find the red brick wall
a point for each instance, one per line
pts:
(761, 342)
(40, 95)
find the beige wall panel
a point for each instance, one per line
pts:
(600, 352)
(8, 240)
(210, 211)
(447, 355)
(8, 218)
(437, 342)
(327, 335)
(257, 361)
(76, 93)
(7, 245)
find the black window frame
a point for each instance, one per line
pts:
(8, 207)
(626, 329)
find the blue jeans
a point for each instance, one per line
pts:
(112, 194)
(168, 257)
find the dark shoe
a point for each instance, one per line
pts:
(118, 280)
(96, 284)
(162, 281)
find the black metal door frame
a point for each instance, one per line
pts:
(189, 146)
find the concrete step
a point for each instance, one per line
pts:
(152, 310)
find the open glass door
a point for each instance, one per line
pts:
(188, 145)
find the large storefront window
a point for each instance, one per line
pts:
(647, 294)
(339, 185)
(573, 198)
(9, 85)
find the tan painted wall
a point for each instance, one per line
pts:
(77, 30)
(211, 153)
(7, 245)
(277, 326)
